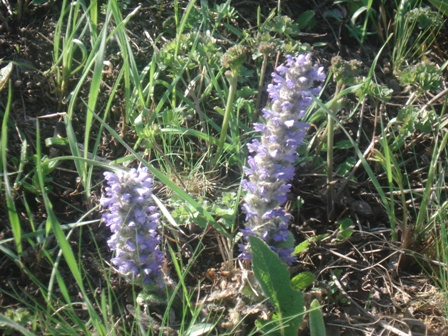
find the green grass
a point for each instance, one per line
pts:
(12, 210)
(180, 114)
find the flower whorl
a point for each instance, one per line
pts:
(271, 166)
(133, 219)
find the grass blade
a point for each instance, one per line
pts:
(12, 211)
(53, 225)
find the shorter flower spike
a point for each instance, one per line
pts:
(272, 165)
(133, 220)
(234, 57)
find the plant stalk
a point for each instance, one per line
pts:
(330, 189)
(260, 86)
(233, 80)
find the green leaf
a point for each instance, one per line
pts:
(301, 247)
(317, 325)
(302, 280)
(56, 141)
(306, 244)
(345, 223)
(344, 227)
(343, 235)
(346, 167)
(306, 20)
(343, 144)
(273, 276)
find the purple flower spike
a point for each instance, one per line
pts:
(271, 166)
(133, 219)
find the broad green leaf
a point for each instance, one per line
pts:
(273, 276)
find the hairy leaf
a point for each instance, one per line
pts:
(273, 276)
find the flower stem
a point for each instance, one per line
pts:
(260, 86)
(233, 80)
(330, 144)
(330, 190)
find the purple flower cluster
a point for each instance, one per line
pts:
(271, 167)
(133, 219)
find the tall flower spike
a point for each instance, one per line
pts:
(271, 166)
(133, 219)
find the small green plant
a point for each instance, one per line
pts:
(409, 120)
(265, 50)
(308, 242)
(30, 181)
(333, 290)
(285, 27)
(21, 316)
(424, 76)
(66, 45)
(345, 229)
(223, 208)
